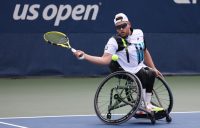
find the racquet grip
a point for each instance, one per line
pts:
(81, 57)
(73, 50)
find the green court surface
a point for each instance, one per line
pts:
(47, 96)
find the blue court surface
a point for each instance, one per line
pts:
(179, 120)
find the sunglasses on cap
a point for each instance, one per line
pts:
(121, 26)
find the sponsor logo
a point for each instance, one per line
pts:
(57, 13)
(185, 1)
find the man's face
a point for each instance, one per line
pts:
(123, 28)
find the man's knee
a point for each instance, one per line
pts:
(147, 78)
(150, 73)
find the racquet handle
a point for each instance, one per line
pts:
(81, 57)
(73, 50)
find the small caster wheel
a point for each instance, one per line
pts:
(152, 118)
(168, 118)
(108, 115)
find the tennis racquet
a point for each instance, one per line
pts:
(59, 39)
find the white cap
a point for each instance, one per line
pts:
(120, 17)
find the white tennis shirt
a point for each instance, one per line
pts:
(135, 49)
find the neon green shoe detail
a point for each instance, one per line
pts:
(154, 108)
(157, 109)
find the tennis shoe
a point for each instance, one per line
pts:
(151, 107)
(139, 112)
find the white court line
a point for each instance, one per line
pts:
(44, 116)
(187, 112)
(13, 125)
(78, 115)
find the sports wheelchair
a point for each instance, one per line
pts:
(119, 98)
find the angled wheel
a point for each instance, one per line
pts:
(162, 96)
(117, 97)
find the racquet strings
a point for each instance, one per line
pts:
(58, 38)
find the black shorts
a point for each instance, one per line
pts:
(147, 78)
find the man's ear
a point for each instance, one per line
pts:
(129, 24)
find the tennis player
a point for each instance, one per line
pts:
(133, 56)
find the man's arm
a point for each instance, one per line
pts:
(148, 59)
(105, 59)
(149, 62)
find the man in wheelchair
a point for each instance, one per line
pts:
(131, 54)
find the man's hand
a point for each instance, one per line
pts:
(158, 73)
(79, 54)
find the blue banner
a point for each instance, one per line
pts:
(97, 15)
(171, 27)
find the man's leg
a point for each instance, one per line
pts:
(142, 76)
(150, 79)
(149, 88)
(147, 78)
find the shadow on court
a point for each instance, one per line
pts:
(179, 120)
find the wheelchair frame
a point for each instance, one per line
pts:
(119, 97)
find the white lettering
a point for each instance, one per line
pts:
(50, 9)
(21, 16)
(77, 12)
(185, 1)
(94, 8)
(60, 15)
(57, 13)
(34, 12)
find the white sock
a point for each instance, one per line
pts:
(148, 98)
(144, 94)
